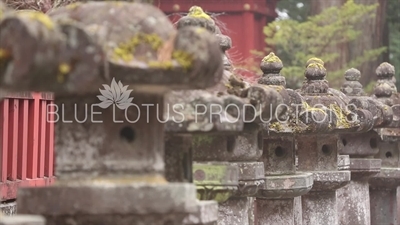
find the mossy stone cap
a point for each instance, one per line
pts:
(315, 69)
(352, 74)
(271, 62)
(198, 12)
(314, 60)
(385, 70)
(196, 17)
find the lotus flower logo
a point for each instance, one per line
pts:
(115, 94)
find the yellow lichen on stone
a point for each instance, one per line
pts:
(271, 58)
(4, 54)
(38, 16)
(228, 85)
(278, 88)
(198, 12)
(316, 66)
(73, 5)
(163, 65)
(276, 126)
(183, 58)
(315, 60)
(341, 117)
(126, 50)
(307, 107)
(63, 70)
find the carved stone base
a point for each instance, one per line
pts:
(110, 203)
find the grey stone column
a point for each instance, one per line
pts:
(179, 148)
(247, 150)
(383, 186)
(353, 199)
(240, 152)
(276, 200)
(318, 154)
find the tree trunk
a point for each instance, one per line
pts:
(373, 35)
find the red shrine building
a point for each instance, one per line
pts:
(243, 19)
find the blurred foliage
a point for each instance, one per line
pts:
(393, 19)
(296, 41)
(296, 9)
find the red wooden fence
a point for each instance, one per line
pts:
(26, 142)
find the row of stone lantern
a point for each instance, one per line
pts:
(283, 144)
(280, 161)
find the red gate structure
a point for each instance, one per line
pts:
(244, 20)
(26, 142)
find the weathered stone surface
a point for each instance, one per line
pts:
(319, 208)
(234, 211)
(353, 203)
(244, 147)
(93, 202)
(360, 145)
(286, 186)
(91, 40)
(251, 178)
(206, 213)
(343, 162)
(384, 206)
(199, 111)
(275, 211)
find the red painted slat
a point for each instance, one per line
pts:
(23, 135)
(33, 135)
(42, 138)
(4, 136)
(13, 139)
(49, 166)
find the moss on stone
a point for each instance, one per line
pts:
(202, 139)
(315, 60)
(126, 50)
(183, 58)
(271, 58)
(341, 117)
(316, 66)
(163, 65)
(198, 12)
(276, 126)
(38, 16)
(73, 5)
(307, 107)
